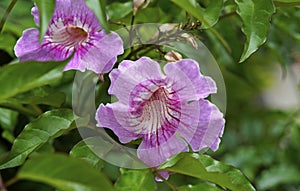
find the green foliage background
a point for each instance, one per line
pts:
(41, 148)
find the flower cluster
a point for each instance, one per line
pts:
(166, 109)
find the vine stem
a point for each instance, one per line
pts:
(279, 4)
(2, 187)
(6, 13)
(11, 181)
(130, 33)
(20, 109)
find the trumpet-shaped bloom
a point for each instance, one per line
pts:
(168, 111)
(73, 27)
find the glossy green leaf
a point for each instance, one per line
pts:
(46, 8)
(82, 150)
(48, 126)
(202, 186)
(208, 16)
(21, 77)
(55, 99)
(99, 8)
(64, 173)
(256, 16)
(8, 119)
(135, 180)
(119, 10)
(206, 168)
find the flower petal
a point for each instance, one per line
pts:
(132, 73)
(209, 129)
(23, 46)
(163, 174)
(28, 47)
(86, 15)
(114, 116)
(36, 15)
(191, 84)
(76, 11)
(102, 55)
(153, 156)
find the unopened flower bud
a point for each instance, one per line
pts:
(139, 4)
(173, 56)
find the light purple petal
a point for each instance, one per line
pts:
(76, 63)
(209, 129)
(164, 174)
(80, 9)
(114, 117)
(73, 11)
(132, 73)
(153, 156)
(23, 47)
(101, 57)
(28, 47)
(188, 80)
(35, 14)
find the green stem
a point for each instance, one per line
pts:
(2, 187)
(281, 4)
(227, 15)
(221, 39)
(20, 109)
(38, 110)
(11, 181)
(130, 33)
(6, 13)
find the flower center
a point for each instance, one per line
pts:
(159, 112)
(69, 36)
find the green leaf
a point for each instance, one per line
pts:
(8, 136)
(54, 99)
(208, 16)
(64, 173)
(283, 174)
(135, 180)
(119, 10)
(42, 95)
(206, 168)
(82, 150)
(48, 126)
(46, 8)
(201, 186)
(99, 8)
(256, 16)
(8, 119)
(8, 42)
(21, 77)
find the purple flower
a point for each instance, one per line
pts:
(168, 111)
(73, 27)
